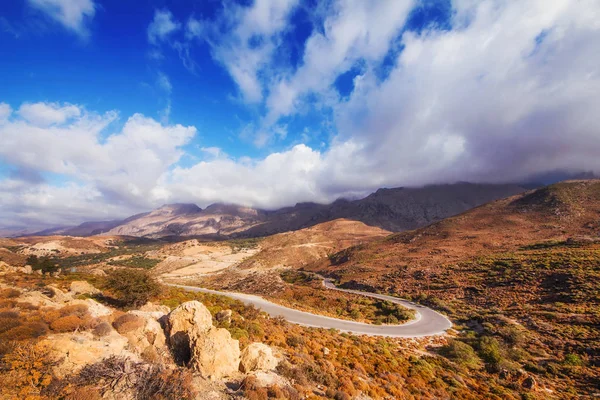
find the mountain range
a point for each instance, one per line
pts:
(396, 209)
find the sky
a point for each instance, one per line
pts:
(111, 107)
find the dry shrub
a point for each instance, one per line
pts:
(25, 331)
(27, 306)
(102, 329)
(277, 392)
(9, 293)
(127, 323)
(79, 310)
(69, 323)
(28, 368)
(147, 381)
(158, 383)
(84, 393)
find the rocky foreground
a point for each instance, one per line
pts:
(121, 348)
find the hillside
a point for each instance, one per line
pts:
(394, 210)
(523, 271)
(260, 273)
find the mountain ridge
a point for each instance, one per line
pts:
(392, 209)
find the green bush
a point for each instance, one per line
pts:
(132, 287)
(491, 352)
(461, 353)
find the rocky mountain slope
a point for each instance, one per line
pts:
(519, 274)
(390, 209)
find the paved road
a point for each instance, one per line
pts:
(426, 323)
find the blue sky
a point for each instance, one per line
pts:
(113, 107)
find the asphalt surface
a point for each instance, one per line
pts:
(426, 323)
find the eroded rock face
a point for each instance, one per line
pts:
(258, 357)
(214, 353)
(82, 287)
(188, 320)
(147, 337)
(80, 349)
(196, 342)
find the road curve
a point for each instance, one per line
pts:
(426, 323)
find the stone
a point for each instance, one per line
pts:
(57, 295)
(264, 379)
(149, 335)
(98, 272)
(224, 316)
(188, 319)
(529, 383)
(326, 351)
(257, 357)
(214, 353)
(80, 349)
(82, 287)
(26, 270)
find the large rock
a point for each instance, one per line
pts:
(188, 319)
(148, 337)
(76, 350)
(214, 353)
(258, 357)
(82, 287)
(58, 295)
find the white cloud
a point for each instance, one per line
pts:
(5, 112)
(72, 14)
(162, 26)
(124, 166)
(45, 114)
(352, 31)
(244, 39)
(193, 28)
(164, 83)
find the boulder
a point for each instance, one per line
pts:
(57, 295)
(147, 337)
(82, 287)
(26, 270)
(95, 309)
(98, 272)
(224, 316)
(214, 353)
(258, 357)
(74, 351)
(188, 319)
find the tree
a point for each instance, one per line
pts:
(133, 287)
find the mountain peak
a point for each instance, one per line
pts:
(179, 208)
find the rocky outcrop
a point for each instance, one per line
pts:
(257, 357)
(76, 350)
(215, 354)
(147, 337)
(8, 269)
(82, 287)
(189, 319)
(194, 340)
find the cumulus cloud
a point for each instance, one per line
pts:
(72, 14)
(5, 111)
(118, 169)
(45, 114)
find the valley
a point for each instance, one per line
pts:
(501, 301)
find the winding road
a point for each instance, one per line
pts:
(426, 323)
